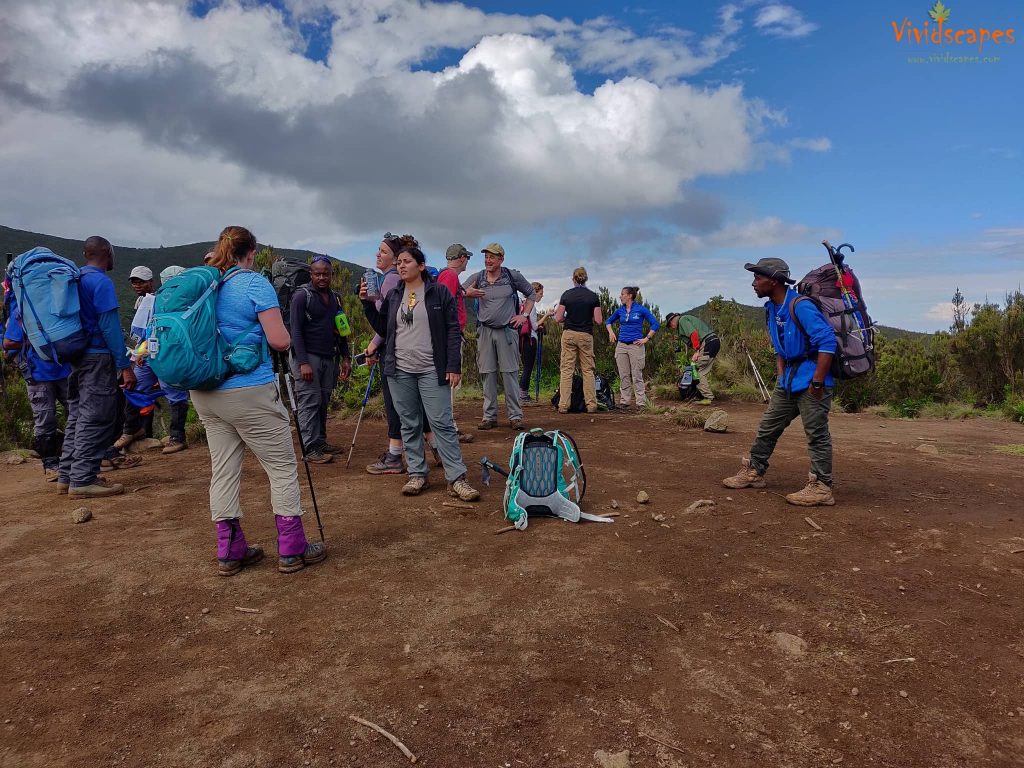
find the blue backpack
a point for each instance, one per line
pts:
(186, 350)
(45, 286)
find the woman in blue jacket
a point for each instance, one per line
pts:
(630, 355)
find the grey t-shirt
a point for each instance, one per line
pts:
(498, 306)
(414, 352)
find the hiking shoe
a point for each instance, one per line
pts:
(230, 567)
(515, 423)
(487, 424)
(328, 448)
(436, 454)
(747, 477)
(386, 464)
(99, 488)
(415, 486)
(127, 439)
(525, 396)
(465, 437)
(62, 488)
(121, 461)
(173, 447)
(317, 456)
(50, 473)
(462, 490)
(705, 401)
(814, 494)
(315, 552)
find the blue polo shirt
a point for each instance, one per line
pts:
(799, 349)
(631, 324)
(40, 370)
(239, 300)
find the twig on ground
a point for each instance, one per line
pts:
(506, 529)
(664, 743)
(240, 609)
(390, 737)
(609, 514)
(972, 590)
(142, 488)
(894, 661)
(456, 505)
(813, 524)
(1016, 551)
(666, 622)
(163, 529)
(788, 546)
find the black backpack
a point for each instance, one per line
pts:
(287, 276)
(605, 399)
(576, 402)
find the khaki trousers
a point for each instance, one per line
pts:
(630, 360)
(577, 351)
(253, 418)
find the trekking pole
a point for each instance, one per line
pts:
(290, 386)
(366, 396)
(835, 255)
(761, 386)
(537, 364)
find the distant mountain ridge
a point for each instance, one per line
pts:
(17, 241)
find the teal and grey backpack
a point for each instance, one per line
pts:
(545, 477)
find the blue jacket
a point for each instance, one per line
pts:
(799, 350)
(631, 327)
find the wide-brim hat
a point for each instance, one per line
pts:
(776, 269)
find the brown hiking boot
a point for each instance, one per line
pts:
(462, 490)
(173, 447)
(487, 424)
(62, 488)
(814, 494)
(100, 487)
(127, 439)
(415, 486)
(230, 567)
(747, 477)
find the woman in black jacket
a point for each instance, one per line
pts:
(422, 360)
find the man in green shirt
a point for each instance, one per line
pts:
(701, 339)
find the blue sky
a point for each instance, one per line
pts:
(659, 143)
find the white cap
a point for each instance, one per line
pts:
(169, 272)
(141, 273)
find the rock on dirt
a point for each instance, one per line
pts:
(700, 505)
(612, 759)
(929, 448)
(615, 504)
(81, 515)
(789, 644)
(12, 458)
(145, 444)
(717, 421)
(642, 497)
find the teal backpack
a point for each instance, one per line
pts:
(186, 350)
(545, 477)
(45, 286)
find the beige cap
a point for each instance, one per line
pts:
(494, 248)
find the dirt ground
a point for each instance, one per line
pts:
(120, 645)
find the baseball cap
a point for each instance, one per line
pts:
(494, 248)
(456, 251)
(141, 273)
(776, 269)
(169, 272)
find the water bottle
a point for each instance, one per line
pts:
(372, 284)
(341, 324)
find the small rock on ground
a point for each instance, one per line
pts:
(612, 759)
(789, 644)
(81, 515)
(699, 505)
(929, 448)
(12, 458)
(642, 497)
(717, 421)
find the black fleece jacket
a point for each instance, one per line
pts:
(445, 337)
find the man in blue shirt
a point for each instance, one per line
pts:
(47, 384)
(804, 346)
(92, 387)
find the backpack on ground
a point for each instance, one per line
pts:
(688, 383)
(45, 287)
(186, 351)
(605, 399)
(577, 404)
(546, 478)
(287, 276)
(855, 349)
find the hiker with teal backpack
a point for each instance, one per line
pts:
(702, 347)
(235, 396)
(804, 344)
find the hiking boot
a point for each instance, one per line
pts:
(173, 446)
(62, 487)
(99, 488)
(315, 552)
(487, 424)
(121, 461)
(386, 464)
(515, 422)
(705, 401)
(747, 477)
(814, 494)
(436, 454)
(465, 437)
(127, 439)
(332, 449)
(50, 473)
(462, 490)
(317, 456)
(415, 486)
(525, 396)
(230, 567)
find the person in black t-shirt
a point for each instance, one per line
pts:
(579, 309)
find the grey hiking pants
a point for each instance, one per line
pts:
(43, 397)
(415, 394)
(782, 409)
(497, 354)
(313, 397)
(92, 415)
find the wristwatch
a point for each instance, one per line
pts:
(817, 385)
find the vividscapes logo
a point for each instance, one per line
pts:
(938, 31)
